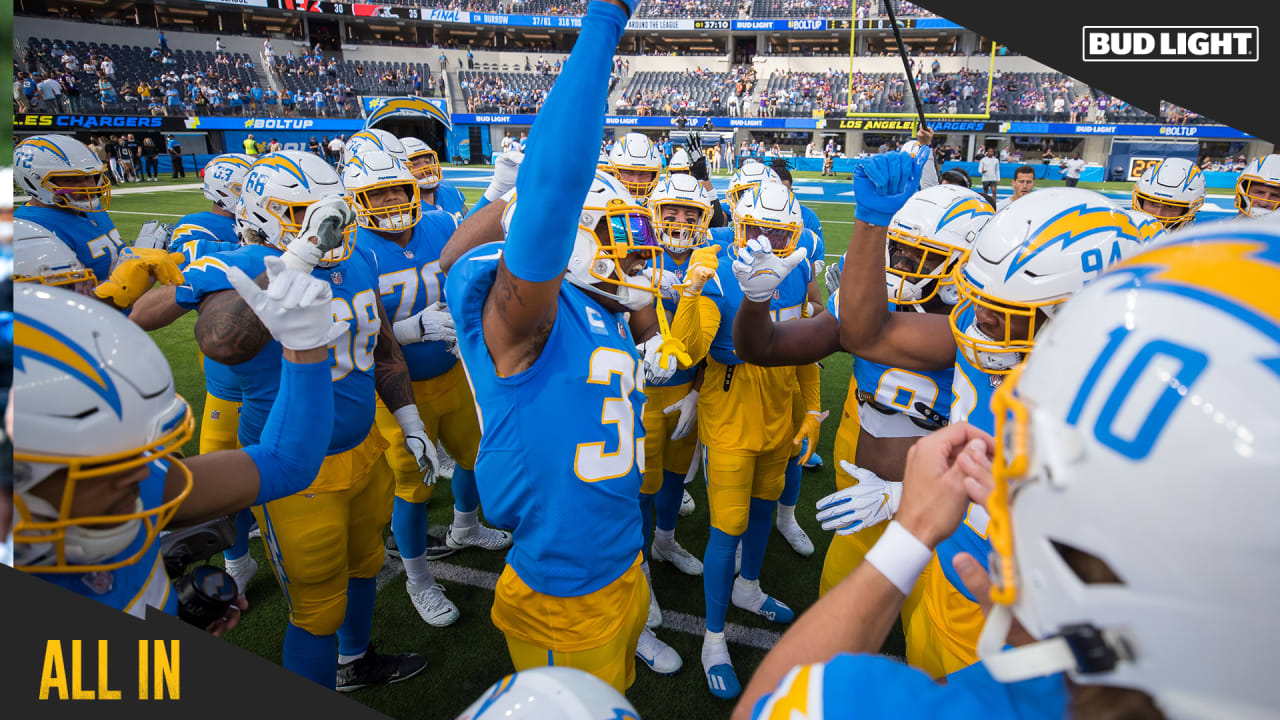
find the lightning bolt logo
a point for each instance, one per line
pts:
(35, 341)
(285, 163)
(972, 207)
(42, 144)
(1077, 223)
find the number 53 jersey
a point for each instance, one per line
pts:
(562, 453)
(355, 301)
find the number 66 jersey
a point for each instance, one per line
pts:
(562, 452)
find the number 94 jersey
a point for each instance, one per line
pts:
(562, 452)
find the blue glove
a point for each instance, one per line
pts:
(883, 184)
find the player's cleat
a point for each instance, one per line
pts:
(377, 669)
(485, 538)
(722, 681)
(659, 656)
(687, 506)
(795, 536)
(676, 555)
(243, 575)
(748, 596)
(429, 600)
(814, 462)
(437, 548)
(390, 546)
(255, 531)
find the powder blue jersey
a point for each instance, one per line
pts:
(219, 380)
(410, 279)
(140, 584)
(562, 452)
(448, 199)
(203, 226)
(856, 686)
(355, 301)
(91, 235)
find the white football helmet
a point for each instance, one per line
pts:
(603, 164)
(769, 210)
(747, 177)
(928, 238)
(551, 693)
(224, 177)
(681, 191)
(1031, 257)
(83, 371)
(374, 139)
(276, 194)
(40, 257)
(680, 161)
(1147, 409)
(60, 171)
(635, 153)
(368, 174)
(629, 229)
(424, 162)
(1175, 183)
(1262, 171)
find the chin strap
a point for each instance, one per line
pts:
(1082, 649)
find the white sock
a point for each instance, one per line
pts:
(786, 514)
(715, 651)
(644, 568)
(465, 520)
(416, 570)
(665, 538)
(747, 592)
(344, 659)
(238, 564)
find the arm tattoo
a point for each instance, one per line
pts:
(390, 371)
(505, 299)
(227, 330)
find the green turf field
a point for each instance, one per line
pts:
(467, 657)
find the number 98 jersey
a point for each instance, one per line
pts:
(562, 452)
(355, 302)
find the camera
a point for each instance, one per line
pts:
(205, 593)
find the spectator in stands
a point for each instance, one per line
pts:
(172, 101)
(175, 157)
(256, 96)
(1024, 181)
(155, 108)
(164, 44)
(109, 68)
(417, 83)
(989, 166)
(19, 96)
(1073, 167)
(317, 99)
(286, 102)
(217, 46)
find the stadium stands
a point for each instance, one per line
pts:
(801, 9)
(505, 92)
(688, 9)
(692, 91)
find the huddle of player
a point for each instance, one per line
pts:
(607, 342)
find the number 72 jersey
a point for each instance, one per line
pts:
(562, 454)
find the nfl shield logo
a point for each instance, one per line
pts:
(100, 582)
(408, 254)
(214, 415)
(777, 295)
(336, 277)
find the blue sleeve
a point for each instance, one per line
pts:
(560, 162)
(289, 453)
(479, 204)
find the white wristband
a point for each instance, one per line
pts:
(899, 556)
(409, 420)
(407, 331)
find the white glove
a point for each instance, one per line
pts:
(430, 324)
(760, 271)
(294, 307)
(153, 234)
(666, 281)
(655, 370)
(416, 440)
(833, 278)
(322, 231)
(687, 406)
(505, 171)
(872, 501)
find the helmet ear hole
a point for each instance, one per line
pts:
(1089, 568)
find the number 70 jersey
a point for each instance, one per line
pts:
(562, 452)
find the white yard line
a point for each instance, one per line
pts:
(671, 620)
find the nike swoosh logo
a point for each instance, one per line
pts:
(884, 501)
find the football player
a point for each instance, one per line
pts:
(1171, 191)
(681, 210)
(436, 193)
(89, 513)
(927, 240)
(551, 692)
(40, 257)
(69, 194)
(559, 384)
(1098, 617)
(325, 544)
(741, 423)
(1023, 265)
(637, 164)
(406, 243)
(223, 178)
(1257, 189)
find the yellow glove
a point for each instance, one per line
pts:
(702, 267)
(137, 270)
(809, 428)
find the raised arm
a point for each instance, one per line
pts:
(482, 226)
(757, 339)
(558, 168)
(914, 341)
